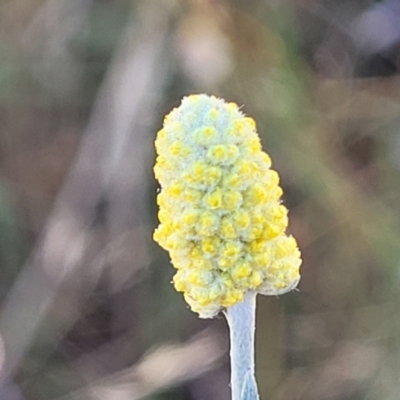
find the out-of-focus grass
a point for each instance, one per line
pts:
(333, 135)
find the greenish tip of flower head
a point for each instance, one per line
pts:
(221, 218)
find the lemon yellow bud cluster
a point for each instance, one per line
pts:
(220, 214)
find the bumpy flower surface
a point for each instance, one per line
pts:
(221, 219)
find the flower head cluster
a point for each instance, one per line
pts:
(220, 214)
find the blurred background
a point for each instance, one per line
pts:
(87, 309)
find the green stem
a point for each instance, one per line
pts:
(241, 321)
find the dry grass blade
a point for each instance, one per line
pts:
(118, 109)
(165, 366)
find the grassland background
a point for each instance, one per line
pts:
(87, 309)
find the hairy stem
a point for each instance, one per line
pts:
(241, 321)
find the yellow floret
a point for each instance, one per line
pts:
(242, 270)
(255, 279)
(253, 233)
(242, 219)
(231, 250)
(257, 195)
(250, 122)
(214, 199)
(232, 297)
(217, 154)
(227, 229)
(253, 146)
(199, 277)
(208, 223)
(175, 189)
(232, 152)
(258, 217)
(195, 253)
(232, 108)
(232, 180)
(262, 259)
(257, 246)
(190, 217)
(284, 246)
(201, 263)
(210, 246)
(225, 263)
(192, 195)
(163, 216)
(211, 176)
(179, 149)
(180, 282)
(247, 168)
(199, 169)
(205, 135)
(240, 126)
(232, 200)
(214, 114)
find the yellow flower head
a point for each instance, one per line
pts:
(220, 215)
